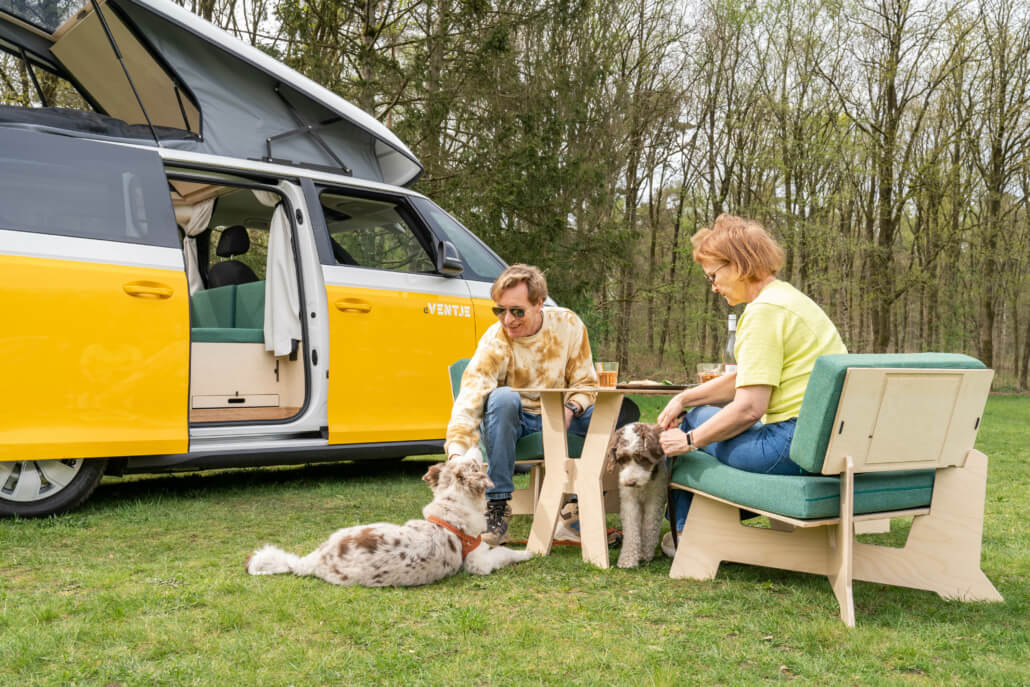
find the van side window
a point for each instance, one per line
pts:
(373, 233)
(74, 187)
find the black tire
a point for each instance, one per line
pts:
(36, 488)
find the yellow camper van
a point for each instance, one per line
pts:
(217, 263)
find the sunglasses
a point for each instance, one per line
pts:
(711, 277)
(517, 313)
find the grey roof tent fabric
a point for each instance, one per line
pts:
(234, 86)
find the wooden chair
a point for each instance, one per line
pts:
(887, 436)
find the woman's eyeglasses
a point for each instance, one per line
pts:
(517, 313)
(711, 277)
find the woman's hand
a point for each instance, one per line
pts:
(673, 409)
(674, 442)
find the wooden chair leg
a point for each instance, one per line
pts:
(698, 553)
(840, 573)
(942, 553)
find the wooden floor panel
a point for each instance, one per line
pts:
(240, 414)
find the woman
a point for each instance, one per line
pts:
(779, 337)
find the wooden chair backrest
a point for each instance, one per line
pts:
(906, 418)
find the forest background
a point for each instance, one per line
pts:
(885, 143)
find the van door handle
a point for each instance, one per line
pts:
(353, 305)
(148, 289)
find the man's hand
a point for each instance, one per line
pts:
(568, 417)
(674, 442)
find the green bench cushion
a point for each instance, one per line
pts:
(229, 314)
(227, 335)
(819, 407)
(214, 307)
(250, 305)
(802, 497)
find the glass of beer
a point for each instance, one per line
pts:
(708, 371)
(607, 374)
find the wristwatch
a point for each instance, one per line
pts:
(690, 441)
(576, 410)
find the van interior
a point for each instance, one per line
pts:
(233, 375)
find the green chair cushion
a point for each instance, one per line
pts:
(819, 406)
(531, 446)
(802, 496)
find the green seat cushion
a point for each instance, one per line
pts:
(250, 305)
(802, 496)
(819, 407)
(531, 446)
(214, 307)
(227, 335)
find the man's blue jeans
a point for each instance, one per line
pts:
(504, 423)
(759, 448)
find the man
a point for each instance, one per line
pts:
(529, 346)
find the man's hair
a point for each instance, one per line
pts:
(743, 243)
(516, 274)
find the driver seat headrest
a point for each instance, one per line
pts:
(233, 241)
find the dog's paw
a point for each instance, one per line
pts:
(628, 561)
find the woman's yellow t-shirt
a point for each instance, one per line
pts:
(779, 336)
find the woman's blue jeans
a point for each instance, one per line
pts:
(759, 448)
(504, 423)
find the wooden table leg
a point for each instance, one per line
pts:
(588, 478)
(556, 454)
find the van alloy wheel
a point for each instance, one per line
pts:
(43, 487)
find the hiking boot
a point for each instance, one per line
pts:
(568, 524)
(567, 531)
(498, 515)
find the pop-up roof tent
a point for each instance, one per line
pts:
(159, 72)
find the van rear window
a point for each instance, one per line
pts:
(72, 187)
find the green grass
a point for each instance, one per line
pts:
(145, 586)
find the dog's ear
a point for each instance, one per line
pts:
(432, 477)
(652, 442)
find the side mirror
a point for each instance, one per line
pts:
(448, 262)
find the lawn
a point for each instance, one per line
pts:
(145, 586)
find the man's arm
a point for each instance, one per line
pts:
(480, 378)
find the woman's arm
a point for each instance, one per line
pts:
(713, 392)
(747, 407)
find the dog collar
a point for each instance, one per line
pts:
(468, 544)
